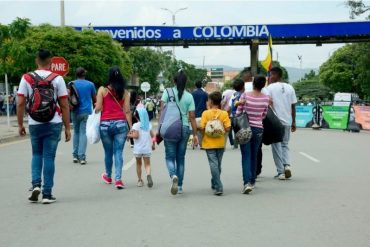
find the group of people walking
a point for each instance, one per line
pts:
(119, 121)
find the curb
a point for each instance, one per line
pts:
(13, 139)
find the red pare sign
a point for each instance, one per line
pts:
(59, 65)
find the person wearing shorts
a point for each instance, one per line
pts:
(144, 144)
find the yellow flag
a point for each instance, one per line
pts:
(267, 63)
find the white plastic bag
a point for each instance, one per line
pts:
(93, 128)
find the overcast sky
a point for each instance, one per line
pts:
(126, 13)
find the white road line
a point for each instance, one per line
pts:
(12, 143)
(310, 157)
(129, 164)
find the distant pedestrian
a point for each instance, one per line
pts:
(255, 104)
(113, 100)
(238, 85)
(200, 100)
(176, 150)
(87, 97)
(45, 135)
(283, 102)
(1, 103)
(143, 135)
(150, 107)
(226, 96)
(214, 143)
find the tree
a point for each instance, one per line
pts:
(311, 89)
(357, 8)
(347, 70)
(96, 52)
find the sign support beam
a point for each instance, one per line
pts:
(254, 56)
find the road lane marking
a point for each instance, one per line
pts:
(129, 164)
(12, 143)
(310, 157)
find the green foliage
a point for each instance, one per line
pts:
(96, 52)
(347, 70)
(311, 89)
(274, 64)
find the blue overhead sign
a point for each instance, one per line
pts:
(279, 32)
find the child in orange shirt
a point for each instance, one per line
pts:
(215, 123)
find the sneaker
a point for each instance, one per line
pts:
(119, 184)
(180, 190)
(47, 199)
(83, 162)
(280, 176)
(218, 192)
(247, 189)
(287, 172)
(75, 160)
(106, 179)
(140, 183)
(35, 194)
(150, 181)
(132, 146)
(174, 186)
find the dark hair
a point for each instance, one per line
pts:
(198, 84)
(180, 80)
(133, 97)
(278, 71)
(246, 72)
(116, 81)
(215, 98)
(80, 72)
(43, 54)
(259, 82)
(238, 84)
(136, 115)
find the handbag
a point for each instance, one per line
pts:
(242, 129)
(273, 129)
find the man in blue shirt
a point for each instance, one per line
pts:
(200, 99)
(87, 97)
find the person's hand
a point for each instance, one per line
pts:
(195, 140)
(67, 133)
(22, 131)
(294, 127)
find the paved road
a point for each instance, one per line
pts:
(325, 204)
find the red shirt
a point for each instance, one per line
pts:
(112, 108)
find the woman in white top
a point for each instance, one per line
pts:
(144, 143)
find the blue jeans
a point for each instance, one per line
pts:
(175, 155)
(215, 160)
(79, 137)
(44, 141)
(249, 156)
(113, 136)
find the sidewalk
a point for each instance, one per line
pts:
(9, 134)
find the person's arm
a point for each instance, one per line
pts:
(194, 127)
(152, 135)
(294, 126)
(64, 106)
(127, 109)
(21, 105)
(99, 99)
(93, 94)
(134, 134)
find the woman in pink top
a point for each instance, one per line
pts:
(255, 104)
(113, 101)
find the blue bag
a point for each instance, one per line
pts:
(170, 123)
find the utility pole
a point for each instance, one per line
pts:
(62, 16)
(300, 61)
(173, 13)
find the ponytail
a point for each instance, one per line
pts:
(116, 81)
(180, 80)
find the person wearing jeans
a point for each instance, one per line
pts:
(255, 104)
(283, 102)
(44, 136)
(175, 151)
(87, 97)
(215, 138)
(113, 100)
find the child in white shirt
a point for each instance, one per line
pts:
(144, 143)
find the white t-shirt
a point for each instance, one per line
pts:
(283, 96)
(143, 144)
(60, 91)
(248, 86)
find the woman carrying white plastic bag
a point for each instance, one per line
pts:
(93, 127)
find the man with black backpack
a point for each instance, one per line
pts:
(46, 98)
(82, 96)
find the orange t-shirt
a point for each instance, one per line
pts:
(214, 142)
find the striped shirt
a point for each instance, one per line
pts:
(255, 106)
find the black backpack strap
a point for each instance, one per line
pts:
(36, 78)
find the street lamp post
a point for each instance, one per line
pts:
(173, 13)
(62, 16)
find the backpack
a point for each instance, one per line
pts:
(170, 123)
(215, 128)
(235, 98)
(73, 97)
(41, 105)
